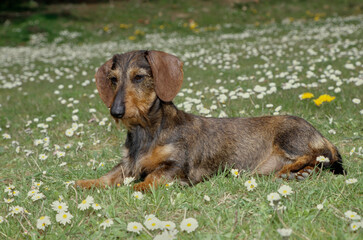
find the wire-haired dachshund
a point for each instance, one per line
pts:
(164, 143)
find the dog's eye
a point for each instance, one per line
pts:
(113, 80)
(138, 78)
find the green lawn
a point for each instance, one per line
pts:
(253, 59)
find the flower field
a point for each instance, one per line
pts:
(54, 129)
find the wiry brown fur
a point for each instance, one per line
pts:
(164, 143)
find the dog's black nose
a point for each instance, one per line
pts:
(117, 110)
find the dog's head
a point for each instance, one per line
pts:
(129, 83)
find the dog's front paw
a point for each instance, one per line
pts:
(142, 187)
(87, 184)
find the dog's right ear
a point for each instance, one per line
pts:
(104, 85)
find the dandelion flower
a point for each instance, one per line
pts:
(128, 180)
(63, 217)
(134, 227)
(235, 172)
(306, 95)
(284, 232)
(86, 203)
(107, 223)
(189, 225)
(138, 195)
(354, 226)
(352, 215)
(42, 222)
(59, 206)
(351, 181)
(285, 190)
(322, 159)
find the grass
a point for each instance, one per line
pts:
(227, 55)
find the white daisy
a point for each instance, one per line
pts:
(189, 225)
(235, 172)
(206, 198)
(96, 206)
(63, 217)
(322, 159)
(167, 235)
(42, 157)
(86, 203)
(60, 154)
(9, 188)
(37, 184)
(138, 195)
(6, 136)
(37, 196)
(284, 232)
(351, 180)
(69, 132)
(354, 226)
(107, 223)
(8, 200)
(168, 225)
(59, 206)
(134, 227)
(15, 210)
(249, 182)
(1, 219)
(152, 222)
(273, 197)
(352, 215)
(33, 192)
(285, 190)
(42, 222)
(128, 180)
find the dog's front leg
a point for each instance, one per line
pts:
(162, 175)
(112, 178)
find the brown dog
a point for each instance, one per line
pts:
(164, 143)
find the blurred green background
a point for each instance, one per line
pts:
(25, 22)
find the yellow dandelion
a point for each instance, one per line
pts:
(306, 95)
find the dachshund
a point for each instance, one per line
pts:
(165, 144)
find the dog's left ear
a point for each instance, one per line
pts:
(167, 72)
(104, 85)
